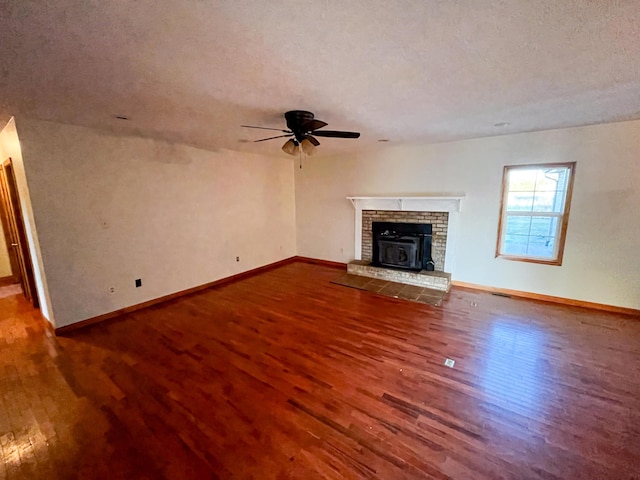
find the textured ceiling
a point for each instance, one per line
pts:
(408, 71)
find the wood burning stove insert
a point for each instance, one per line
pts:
(405, 246)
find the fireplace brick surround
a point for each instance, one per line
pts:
(439, 221)
(441, 212)
(438, 279)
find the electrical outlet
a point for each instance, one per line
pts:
(237, 259)
(138, 282)
(449, 363)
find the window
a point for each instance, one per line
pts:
(534, 212)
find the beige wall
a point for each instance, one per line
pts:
(111, 209)
(601, 259)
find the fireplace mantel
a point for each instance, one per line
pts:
(451, 204)
(413, 204)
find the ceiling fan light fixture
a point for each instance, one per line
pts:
(307, 146)
(291, 147)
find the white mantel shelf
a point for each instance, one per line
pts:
(451, 204)
(418, 204)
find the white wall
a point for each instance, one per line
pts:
(111, 209)
(11, 148)
(602, 252)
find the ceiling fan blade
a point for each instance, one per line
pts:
(313, 141)
(267, 128)
(336, 134)
(312, 125)
(271, 138)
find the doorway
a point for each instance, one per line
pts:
(15, 232)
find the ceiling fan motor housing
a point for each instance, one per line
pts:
(296, 119)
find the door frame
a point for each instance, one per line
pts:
(13, 257)
(10, 197)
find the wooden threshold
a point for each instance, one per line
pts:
(548, 298)
(10, 280)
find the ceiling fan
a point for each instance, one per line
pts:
(301, 125)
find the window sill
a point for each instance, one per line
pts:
(555, 262)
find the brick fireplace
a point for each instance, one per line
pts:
(442, 213)
(438, 220)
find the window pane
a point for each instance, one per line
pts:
(529, 245)
(520, 202)
(543, 201)
(547, 180)
(522, 180)
(515, 244)
(540, 246)
(517, 225)
(544, 226)
(548, 202)
(532, 236)
(552, 179)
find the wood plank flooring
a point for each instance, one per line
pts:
(286, 375)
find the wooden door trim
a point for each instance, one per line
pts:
(11, 196)
(6, 229)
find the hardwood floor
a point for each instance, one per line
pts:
(286, 375)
